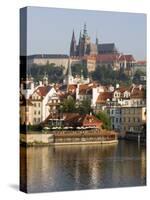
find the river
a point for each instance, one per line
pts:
(76, 167)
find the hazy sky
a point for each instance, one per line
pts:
(50, 30)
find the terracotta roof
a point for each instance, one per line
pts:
(122, 58)
(138, 93)
(75, 120)
(121, 89)
(89, 57)
(72, 88)
(102, 98)
(141, 62)
(129, 58)
(42, 90)
(107, 57)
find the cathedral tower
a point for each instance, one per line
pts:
(73, 45)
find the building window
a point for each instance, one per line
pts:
(35, 112)
(39, 112)
(39, 104)
(34, 104)
(35, 120)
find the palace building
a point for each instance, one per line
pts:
(87, 53)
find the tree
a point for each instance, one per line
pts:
(103, 116)
(55, 73)
(84, 107)
(106, 75)
(77, 69)
(68, 105)
(137, 75)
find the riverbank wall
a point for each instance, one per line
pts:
(68, 137)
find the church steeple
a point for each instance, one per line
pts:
(73, 45)
(85, 31)
(80, 38)
(45, 79)
(69, 77)
(96, 42)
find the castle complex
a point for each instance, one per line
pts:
(86, 48)
(85, 52)
(126, 106)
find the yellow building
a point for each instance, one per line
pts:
(133, 118)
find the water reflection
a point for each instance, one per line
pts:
(84, 166)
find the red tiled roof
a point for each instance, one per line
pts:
(42, 90)
(138, 93)
(122, 58)
(89, 57)
(103, 97)
(72, 88)
(122, 89)
(129, 58)
(141, 62)
(107, 57)
(75, 119)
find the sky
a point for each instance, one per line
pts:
(49, 30)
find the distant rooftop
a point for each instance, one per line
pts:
(107, 48)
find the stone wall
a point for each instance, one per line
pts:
(64, 137)
(36, 138)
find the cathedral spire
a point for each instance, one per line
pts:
(73, 45)
(96, 42)
(85, 30)
(80, 38)
(69, 77)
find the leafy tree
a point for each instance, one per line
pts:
(77, 69)
(103, 116)
(68, 105)
(84, 107)
(137, 75)
(55, 73)
(106, 75)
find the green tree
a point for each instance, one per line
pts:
(77, 69)
(84, 107)
(106, 75)
(137, 75)
(103, 116)
(68, 105)
(55, 73)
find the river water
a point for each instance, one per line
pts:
(76, 167)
